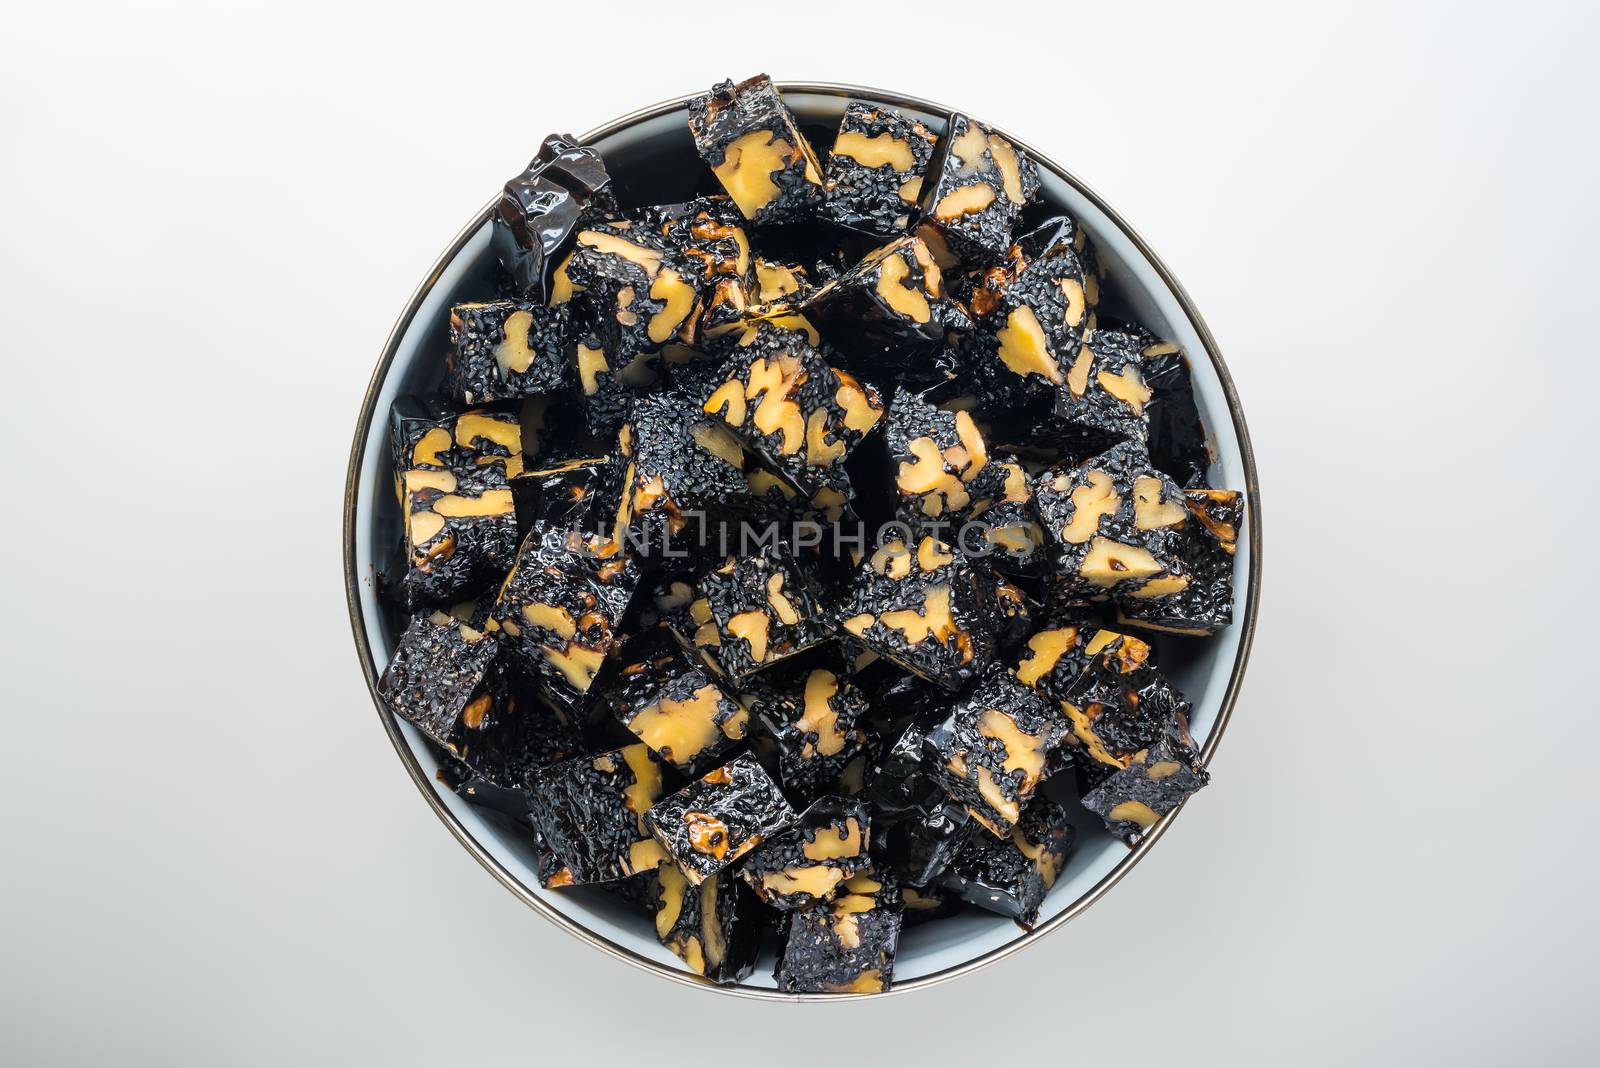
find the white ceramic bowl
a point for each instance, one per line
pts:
(1209, 672)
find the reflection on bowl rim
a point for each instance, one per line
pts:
(1246, 621)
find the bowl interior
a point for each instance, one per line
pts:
(652, 159)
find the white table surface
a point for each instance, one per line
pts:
(210, 219)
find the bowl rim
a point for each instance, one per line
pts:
(421, 779)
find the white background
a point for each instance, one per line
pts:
(210, 217)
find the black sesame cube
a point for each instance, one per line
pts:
(1117, 521)
(560, 610)
(812, 712)
(802, 416)
(924, 609)
(635, 284)
(718, 818)
(1058, 653)
(610, 383)
(846, 946)
(767, 608)
(1038, 315)
(684, 475)
(506, 349)
(589, 813)
(1106, 390)
(1056, 234)
(978, 183)
(504, 735)
(1219, 513)
(410, 417)
(541, 207)
(670, 697)
(438, 668)
(453, 478)
(1064, 232)
(1012, 875)
(710, 236)
(1010, 527)
(1121, 703)
(887, 312)
(808, 863)
(1156, 781)
(942, 469)
(747, 136)
(712, 244)
(875, 170)
(1200, 601)
(714, 928)
(990, 755)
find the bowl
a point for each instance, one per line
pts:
(651, 149)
